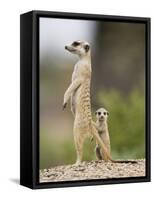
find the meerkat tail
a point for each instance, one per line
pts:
(94, 132)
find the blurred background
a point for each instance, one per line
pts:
(118, 84)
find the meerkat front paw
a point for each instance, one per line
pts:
(91, 139)
(64, 105)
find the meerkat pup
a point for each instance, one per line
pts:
(101, 125)
(102, 128)
(79, 94)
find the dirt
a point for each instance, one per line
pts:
(93, 170)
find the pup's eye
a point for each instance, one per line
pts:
(86, 47)
(75, 44)
(99, 113)
(104, 113)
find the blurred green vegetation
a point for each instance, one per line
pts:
(126, 127)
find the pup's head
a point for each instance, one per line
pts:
(102, 114)
(81, 48)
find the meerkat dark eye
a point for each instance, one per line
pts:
(75, 44)
(105, 113)
(99, 113)
(86, 47)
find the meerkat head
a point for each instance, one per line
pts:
(102, 114)
(80, 48)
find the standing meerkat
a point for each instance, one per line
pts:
(79, 93)
(102, 128)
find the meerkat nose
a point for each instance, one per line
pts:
(65, 47)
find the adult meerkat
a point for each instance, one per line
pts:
(79, 93)
(101, 125)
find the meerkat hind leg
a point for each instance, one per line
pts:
(79, 141)
(98, 152)
(106, 140)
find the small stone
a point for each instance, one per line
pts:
(109, 167)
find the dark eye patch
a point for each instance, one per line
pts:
(75, 44)
(99, 113)
(105, 113)
(86, 47)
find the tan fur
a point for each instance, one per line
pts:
(79, 92)
(102, 128)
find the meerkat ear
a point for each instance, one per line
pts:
(108, 113)
(96, 113)
(86, 47)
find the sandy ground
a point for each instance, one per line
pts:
(93, 170)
